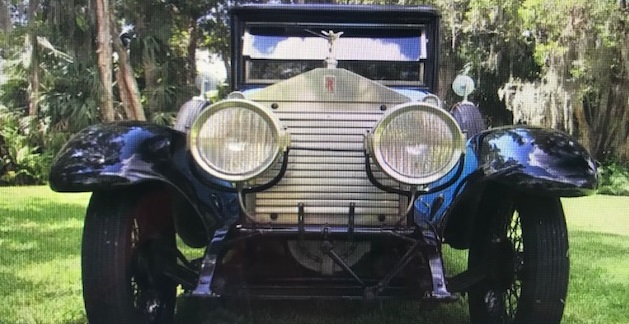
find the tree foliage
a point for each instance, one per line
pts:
(50, 71)
(584, 44)
(570, 56)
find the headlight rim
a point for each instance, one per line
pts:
(375, 137)
(279, 134)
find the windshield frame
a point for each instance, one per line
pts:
(400, 63)
(424, 20)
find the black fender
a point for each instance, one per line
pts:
(538, 160)
(130, 153)
(524, 159)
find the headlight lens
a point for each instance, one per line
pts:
(416, 143)
(236, 140)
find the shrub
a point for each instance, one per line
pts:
(22, 160)
(614, 179)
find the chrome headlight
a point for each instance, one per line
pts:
(236, 139)
(416, 143)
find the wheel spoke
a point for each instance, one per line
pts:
(513, 292)
(135, 234)
(502, 302)
(521, 244)
(511, 301)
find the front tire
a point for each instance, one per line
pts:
(121, 264)
(522, 241)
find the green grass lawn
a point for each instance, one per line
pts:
(40, 235)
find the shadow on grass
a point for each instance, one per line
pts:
(40, 231)
(329, 312)
(318, 312)
(599, 281)
(40, 242)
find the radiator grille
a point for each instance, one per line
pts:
(327, 182)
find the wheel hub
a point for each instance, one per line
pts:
(494, 303)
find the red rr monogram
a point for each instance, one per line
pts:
(330, 83)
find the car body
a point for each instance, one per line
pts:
(330, 171)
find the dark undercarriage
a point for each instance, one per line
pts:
(250, 264)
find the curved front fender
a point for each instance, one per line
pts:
(115, 154)
(106, 156)
(537, 160)
(527, 159)
(541, 160)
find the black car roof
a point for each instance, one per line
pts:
(336, 12)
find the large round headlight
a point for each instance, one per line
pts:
(416, 143)
(236, 140)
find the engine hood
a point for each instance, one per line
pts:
(328, 85)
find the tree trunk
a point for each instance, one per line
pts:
(104, 58)
(447, 72)
(127, 85)
(582, 129)
(192, 50)
(33, 107)
(150, 83)
(227, 63)
(5, 17)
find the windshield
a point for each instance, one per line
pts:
(386, 54)
(316, 48)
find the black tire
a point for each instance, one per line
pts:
(522, 241)
(121, 268)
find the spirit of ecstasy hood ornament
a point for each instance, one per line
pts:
(332, 37)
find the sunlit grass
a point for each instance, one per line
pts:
(40, 233)
(40, 237)
(598, 214)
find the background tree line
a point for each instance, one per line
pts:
(556, 63)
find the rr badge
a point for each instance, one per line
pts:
(330, 83)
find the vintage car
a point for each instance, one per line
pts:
(330, 171)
